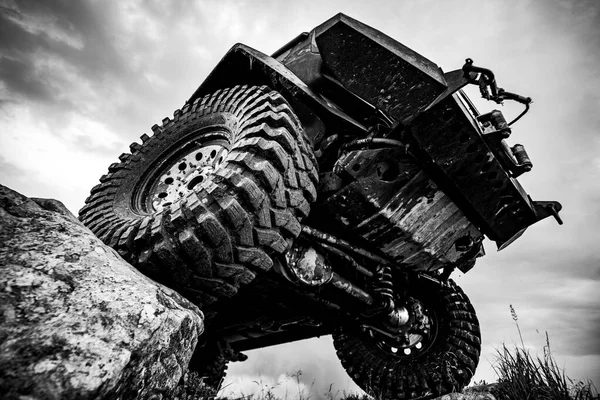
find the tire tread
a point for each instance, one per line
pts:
(222, 235)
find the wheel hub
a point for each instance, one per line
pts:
(415, 337)
(184, 174)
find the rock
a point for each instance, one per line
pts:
(467, 396)
(479, 392)
(77, 321)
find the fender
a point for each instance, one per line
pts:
(243, 65)
(342, 72)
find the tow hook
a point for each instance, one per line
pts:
(489, 88)
(546, 209)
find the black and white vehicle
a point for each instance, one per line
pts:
(331, 188)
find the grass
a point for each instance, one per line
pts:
(522, 376)
(279, 391)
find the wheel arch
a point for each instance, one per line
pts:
(243, 65)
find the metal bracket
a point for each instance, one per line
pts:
(496, 120)
(495, 130)
(546, 209)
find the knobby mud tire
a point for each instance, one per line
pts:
(228, 229)
(210, 361)
(447, 366)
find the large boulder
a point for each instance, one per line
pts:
(77, 321)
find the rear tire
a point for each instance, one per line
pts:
(210, 362)
(206, 202)
(446, 364)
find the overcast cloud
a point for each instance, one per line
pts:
(81, 80)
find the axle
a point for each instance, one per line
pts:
(309, 267)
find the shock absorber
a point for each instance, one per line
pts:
(395, 317)
(384, 287)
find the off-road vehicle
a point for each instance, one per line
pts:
(331, 188)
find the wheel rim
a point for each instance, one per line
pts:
(187, 168)
(415, 339)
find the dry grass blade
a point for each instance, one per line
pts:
(523, 377)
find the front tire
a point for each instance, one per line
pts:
(208, 200)
(445, 364)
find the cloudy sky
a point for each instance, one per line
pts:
(80, 80)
